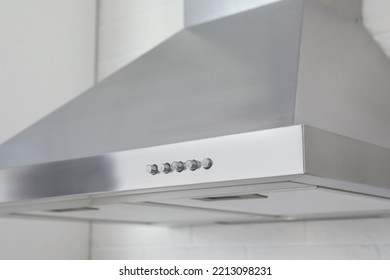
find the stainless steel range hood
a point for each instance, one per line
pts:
(290, 101)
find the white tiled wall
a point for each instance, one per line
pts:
(126, 32)
(46, 58)
(338, 239)
(39, 239)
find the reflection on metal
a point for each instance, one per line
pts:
(231, 197)
(264, 154)
(277, 180)
(74, 209)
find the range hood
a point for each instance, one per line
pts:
(252, 113)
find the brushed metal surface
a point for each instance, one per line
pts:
(288, 62)
(299, 202)
(343, 78)
(286, 165)
(266, 153)
(344, 163)
(234, 75)
(284, 201)
(201, 11)
(148, 214)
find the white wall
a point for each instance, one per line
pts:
(47, 56)
(40, 239)
(126, 32)
(337, 239)
(129, 28)
(377, 20)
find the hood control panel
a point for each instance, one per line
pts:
(179, 166)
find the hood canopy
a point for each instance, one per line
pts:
(233, 69)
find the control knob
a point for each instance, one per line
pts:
(192, 164)
(151, 169)
(177, 166)
(164, 168)
(207, 163)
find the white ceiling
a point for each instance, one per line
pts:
(376, 18)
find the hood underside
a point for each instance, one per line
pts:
(234, 86)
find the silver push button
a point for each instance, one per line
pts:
(177, 166)
(164, 168)
(151, 169)
(192, 164)
(207, 163)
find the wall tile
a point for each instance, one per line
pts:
(262, 241)
(111, 11)
(197, 253)
(47, 58)
(137, 235)
(123, 37)
(314, 252)
(385, 252)
(359, 231)
(274, 233)
(40, 239)
(160, 28)
(126, 253)
(129, 28)
(171, 252)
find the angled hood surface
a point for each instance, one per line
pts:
(289, 100)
